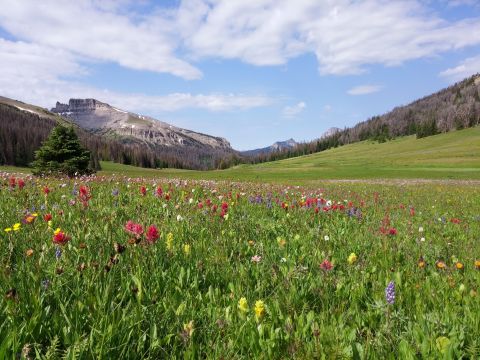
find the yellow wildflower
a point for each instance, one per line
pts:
(259, 309)
(16, 227)
(8, 230)
(57, 231)
(188, 328)
(186, 249)
(477, 264)
(169, 241)
(243, 305)
(352, 258)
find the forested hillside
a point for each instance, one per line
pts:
(456, 107)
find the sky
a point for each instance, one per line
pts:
(251, 71)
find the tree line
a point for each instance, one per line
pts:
(22, 133)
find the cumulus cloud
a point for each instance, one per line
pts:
(294, 110)
(466, 68)
(346, 36)
(42, 75)
(96, 31)
(364, 89)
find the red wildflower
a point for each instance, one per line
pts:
(132, 228)
(60, 238)
(143, 190)
(167, 196)
(84, 193)
(392, 232)
(412, 211)
(224, 207)
(152, 234)
(12, 182)
(326, 265)
(159, 191)
(455, 221)
(21, 184)
(47, 217)
(46, 190)
(200, 205)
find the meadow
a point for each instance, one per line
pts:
(453, 155)
(118, 267)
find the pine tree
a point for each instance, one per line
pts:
(62, 153)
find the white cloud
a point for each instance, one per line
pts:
(346, 36)
(364, 89)
(294, 110)
(98, 31)
(466, 68)
(42, 75)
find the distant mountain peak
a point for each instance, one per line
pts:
(277, 146)
(103, 118)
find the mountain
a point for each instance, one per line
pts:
(105, 119)
(139, 144)
(278, 146)
(330, 132)
(453, 108)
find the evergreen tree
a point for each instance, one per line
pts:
(62, 153)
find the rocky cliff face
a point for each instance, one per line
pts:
(105, 119)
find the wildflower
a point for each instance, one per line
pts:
(29, 252)
(477, 264)
(442, 343)
(143, 190)
(115, 192)
(8, 229)
(420, 229)
(84, 195)
(392, 232)
(179, 218)
(187, 332)
(46, 190)
(60, 238)
(159, 191)
(243, 305)
(152, 234)
(58, 253)
(390, 293)
(47, 217)
(421, 262)
(12, 182)
(16, 227)
(459, 265)
(259, 309)
(133, 228)
(256, 259)
(186, 249)
(352, 258)
(440, 265)
(251, 242)
(21, 184)
(169, 241)
(29, 218)
(326, 238)
(326, 265)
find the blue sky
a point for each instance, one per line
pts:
(254, 72)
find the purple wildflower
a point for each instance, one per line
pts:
(390, 293)
(58, 253)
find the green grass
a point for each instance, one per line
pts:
(455, 155)
(86, 299)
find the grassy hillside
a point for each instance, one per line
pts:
(455, 155)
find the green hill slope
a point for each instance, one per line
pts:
(454, 155)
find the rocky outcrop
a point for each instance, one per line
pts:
(105, 119)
